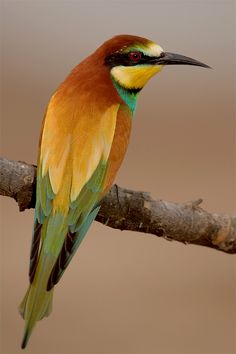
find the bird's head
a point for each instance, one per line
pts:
(133, 60)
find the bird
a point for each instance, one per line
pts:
(84, 138)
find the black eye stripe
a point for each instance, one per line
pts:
(118, 58)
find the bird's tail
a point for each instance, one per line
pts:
(36, 304)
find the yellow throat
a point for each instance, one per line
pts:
(134, 77)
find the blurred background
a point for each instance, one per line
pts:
(126, 292)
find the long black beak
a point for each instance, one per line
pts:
(177, 59)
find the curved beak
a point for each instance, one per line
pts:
(176, 59)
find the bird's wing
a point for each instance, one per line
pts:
(75, 147)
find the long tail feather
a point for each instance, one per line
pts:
(36, 305)
(37, 302)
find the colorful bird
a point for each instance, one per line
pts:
(84, 138)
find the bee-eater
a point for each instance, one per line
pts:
(84, 138)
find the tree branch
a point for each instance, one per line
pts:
(135, 211)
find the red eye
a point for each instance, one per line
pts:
(135, 56)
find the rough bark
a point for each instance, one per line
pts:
(135, 211)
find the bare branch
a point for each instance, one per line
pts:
(135, 211)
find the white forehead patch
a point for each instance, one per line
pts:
(154, 50)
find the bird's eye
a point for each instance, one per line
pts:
(135, 56)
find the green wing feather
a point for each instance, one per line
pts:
(43, 209)
(81, 214)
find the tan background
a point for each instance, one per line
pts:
(127, 292)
